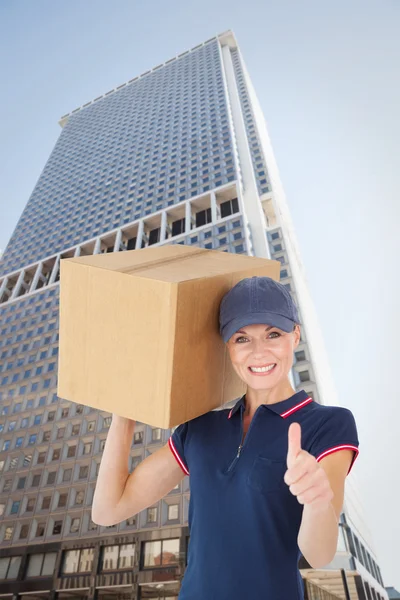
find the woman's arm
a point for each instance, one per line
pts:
(318, 534)
(319, 486)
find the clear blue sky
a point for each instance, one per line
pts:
(327, 76)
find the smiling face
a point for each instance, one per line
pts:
(262, 356)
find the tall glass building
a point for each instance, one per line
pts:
(177, 155)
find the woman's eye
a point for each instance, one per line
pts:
(242, 338)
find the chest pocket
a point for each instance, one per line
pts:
(266, 475)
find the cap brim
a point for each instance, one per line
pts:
(257, 319)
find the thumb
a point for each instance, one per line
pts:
(294, 443)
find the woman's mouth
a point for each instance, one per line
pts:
(267, 370)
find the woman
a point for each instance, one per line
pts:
(266, 477)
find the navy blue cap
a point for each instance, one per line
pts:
(256, 300)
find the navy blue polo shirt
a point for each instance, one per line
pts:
(243, 519)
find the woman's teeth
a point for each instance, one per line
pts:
(262, 369)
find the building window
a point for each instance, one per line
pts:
(21, 483)
(40, 529)
(178, 227)
(46, 436)
(41, 564)
(30, 505)
(57, 527)
(62, 500)
(83, 471)
(203, 217)
(78, 561)
(41, 458)
(138, 437)
(23, 532)
(14, 460)
(56, 453)
(156, 434)
(67, 474)
(229, 207)
(51, 477)
(173, 512)
(79, 497)
(8, 533)
(75, 524)
(9, 566)
(118, 557)
(154, 236)
(152, 515)
(46, 502)
(300, 355)
(75, 429)
(304, 376)
(71, 451)
(15, 507)
(36, 480)
(161, 553)
(87, 448)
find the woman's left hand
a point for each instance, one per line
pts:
(305, 477)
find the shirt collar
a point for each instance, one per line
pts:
(284, 409)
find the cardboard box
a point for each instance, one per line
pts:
(139, 331)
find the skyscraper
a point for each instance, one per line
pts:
(179, 154)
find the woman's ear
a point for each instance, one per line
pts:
(296, 333)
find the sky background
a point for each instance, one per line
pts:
(327, 77)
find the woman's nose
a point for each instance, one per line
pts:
(260, 346)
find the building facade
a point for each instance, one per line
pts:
(179, 154)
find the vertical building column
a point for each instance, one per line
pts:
(97, 246)
(55, 270)
(3, 287)
(163, 232)
(188, 217)
(118, 238)
(251, 201)
(36, 278)
(214, 215)
(139, 235)
(18, 285)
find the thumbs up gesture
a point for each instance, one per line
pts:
(305, 477)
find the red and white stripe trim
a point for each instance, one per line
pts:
(336, 449)
(178, 458)
(287, 413)
(294, 408)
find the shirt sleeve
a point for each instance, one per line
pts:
(177, 443)
(337, 431)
